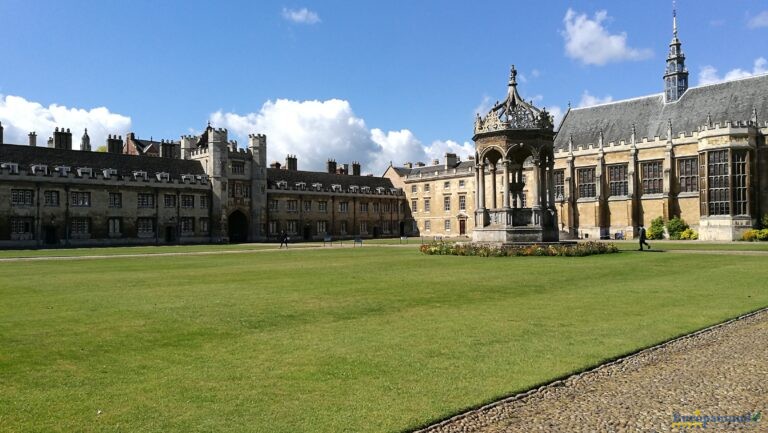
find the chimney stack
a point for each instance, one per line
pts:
(275, 165)
(420, 164)
(331, 166)
(33, 139)
(408, 164)
(115, 144)
(62, 139)
(435, 162)
(346, 169)
(355, 168)
(291, 163)
(451, 160)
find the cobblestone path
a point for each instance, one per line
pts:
(722, 371)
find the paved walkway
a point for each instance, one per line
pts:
(722, 371)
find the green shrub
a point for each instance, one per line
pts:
(762, 235)
(656, 231)
(750, 235)
(582, 249)
(689, 234)
(675, 227)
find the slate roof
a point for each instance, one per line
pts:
(124, 164)
(462, 166)
(732, 100)
(275, 175)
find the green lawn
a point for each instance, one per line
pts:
(330, 340)
(119, 251)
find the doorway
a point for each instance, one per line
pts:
(462, 227)
(307, 232)
(238, 227)
(170, 234)
(50, 235)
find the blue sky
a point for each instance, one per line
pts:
(367, 81)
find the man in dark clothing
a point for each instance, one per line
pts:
(641, 232)
(283, 239)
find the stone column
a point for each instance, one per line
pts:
(477, 187)
(481, 187)
(506, 183)
(551, 183)
(493, 186)
(535, 186)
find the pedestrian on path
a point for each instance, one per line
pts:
(641, 233)
(283, 239)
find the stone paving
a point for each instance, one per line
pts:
(721, 371)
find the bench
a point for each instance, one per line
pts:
(327, 240)
(403, 239)
(358, 240)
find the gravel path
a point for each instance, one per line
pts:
(721, 371)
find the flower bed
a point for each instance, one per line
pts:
(581, 249)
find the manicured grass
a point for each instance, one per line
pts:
(119, 251)
(331, 340)
(694, 245)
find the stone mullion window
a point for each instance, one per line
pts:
(586, 182)
(718, 183)
(688, 174)
(617, 180)
(740, 195)
(652, 177)
(22, 197)
(559, 182)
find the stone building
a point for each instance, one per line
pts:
(199, 189)
(696, 153)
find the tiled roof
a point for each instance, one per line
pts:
(729, 101)
(292, 177)
(124, 164)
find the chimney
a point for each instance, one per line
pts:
(451, 160)
(346, 169)
(331, 166)
(275, 165)
(33, 139)
(420, 164)
(408, 164)
(355, 168)
(435, 162)
(168, 149)
(62, 139)
(115, 144)
(291, 163)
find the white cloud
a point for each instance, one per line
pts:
(20, 117)
(439, 148)
(759, 20)
(708, 74)
(588, 100)
(484, 106)
(535, 73)
(588, 41)
(301, 16)
(318, 130)
(557, 115)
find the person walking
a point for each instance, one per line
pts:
(283, 239)
(642, 234)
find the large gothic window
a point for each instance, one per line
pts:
(718, 183)
(688, 174)
(586, 182)
(740, 200)
(617, 180)
(652, 177)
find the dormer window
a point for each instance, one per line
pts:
(317, 186)
(40, 169)
(301, 186)
(109, 172)
(12, 167)
(365, 190)
(85, 172)
(281, 184)
(354, 188)
(380, 190)
(163, 177)
(336, 187)
(140, 175)
(187, 177)
(63, 170)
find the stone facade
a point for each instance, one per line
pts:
(695, 153)
(200, 189)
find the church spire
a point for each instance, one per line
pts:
(676, 75)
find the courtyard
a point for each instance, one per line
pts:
(309, 339)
